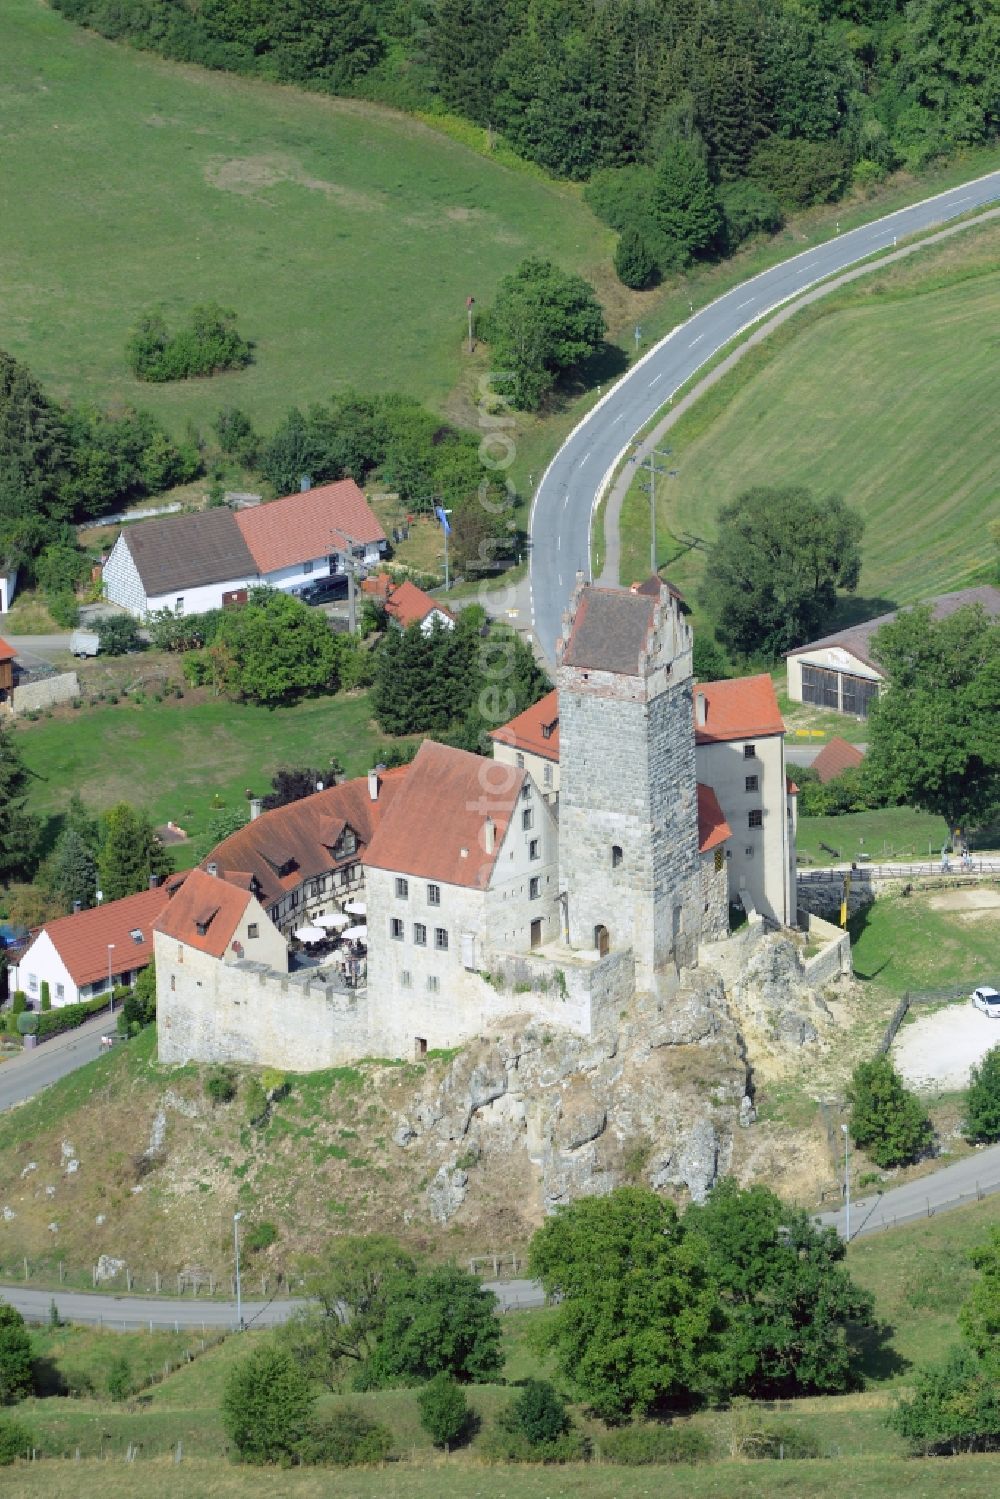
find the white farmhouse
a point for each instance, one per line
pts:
(188, 564)
(93, 951)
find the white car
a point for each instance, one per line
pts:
(988, 1000)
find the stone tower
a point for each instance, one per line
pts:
(628, 812)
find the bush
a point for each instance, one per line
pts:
(784, 1440)
(118, 634)
(537, 1413)
(982, 1102)
(955, 1407)
(207, 344)
(16, 1440)
(635, 264)
(64, 609)
(15, 1356)
(444, 1411)
(345, 1437)
(255, 1100)
(267, 1406)
(887, 1120)
(119, 1378)
(747, 209)
(27, 1024)
(646, 1443)
(46, 996)
(261, 1236)
(220, 1085)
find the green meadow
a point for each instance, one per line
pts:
(346, 237)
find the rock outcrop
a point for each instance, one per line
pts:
(657, 1101)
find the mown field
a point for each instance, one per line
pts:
(347, 238)
(886, 393)
(184, 761)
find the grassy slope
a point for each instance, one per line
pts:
(905, 943)
(889, 833)
(172, 758)
(346, 238)
(885, 393)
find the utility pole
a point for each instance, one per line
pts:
(236, 1247)
(847, 1181)
(352, 594)
(441, 515)
(470, 303)
(638, 336)
(655, 470)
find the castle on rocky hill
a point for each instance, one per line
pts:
(586, 862)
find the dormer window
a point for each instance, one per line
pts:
(136, 935)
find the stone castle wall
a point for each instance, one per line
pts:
(46, 692)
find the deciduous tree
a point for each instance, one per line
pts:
(771, 579)
(933, 740)
(15, 1356)
(790, 1306)
(543, 323)
(274, 650)
(982, 1101)
(437, 1321)
(637, 1320)
(266, 1405)
(887, 1120)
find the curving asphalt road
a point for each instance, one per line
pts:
(576, 477)
(23, 1076)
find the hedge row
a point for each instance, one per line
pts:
(68, 1017)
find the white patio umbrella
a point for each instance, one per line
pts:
(356, 934)
(356, 907)
(309, 934)
(333, 920)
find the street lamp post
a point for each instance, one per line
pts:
(236, 1246)
(111, 990)
(847, 1181)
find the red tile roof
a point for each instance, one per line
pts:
(527, 731)
(610, 631)
(836, 757)
(739, 709)
(404, 602)
(81, 940)
(303, 527)
(7, 652)
(435, 828)
(713, 828)
(653, 586)
(303, 835)
(204, 913)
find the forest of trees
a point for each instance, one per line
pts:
(794, 97)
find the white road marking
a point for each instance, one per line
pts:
(618, 419)
(559, 544)
(741, 305)
(696, 340)
(656, 377)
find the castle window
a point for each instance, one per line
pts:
(753, 783)
(396, 929)
(402, 889)
(534, 888)
(433, 983)
(756, 818)
(749, 752)
(535, 849)
(441, 939)
(616, 856)
(749, 852)
(547, 775)
(526, 791)
(252, 930)
(173, 983)
(404, 978)
(719, 859)
(433, 895)
(419, 934)
(519, 760)
(527, 819)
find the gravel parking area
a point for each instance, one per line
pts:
(938, 1050)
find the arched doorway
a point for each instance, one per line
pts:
(602, 941)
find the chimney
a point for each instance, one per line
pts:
(77, 907)
(212, 869)
(701, 710)
(319, 785)
(489, 835)
(305, 484)
(256, 808)
(373, 785)
(154, 880)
